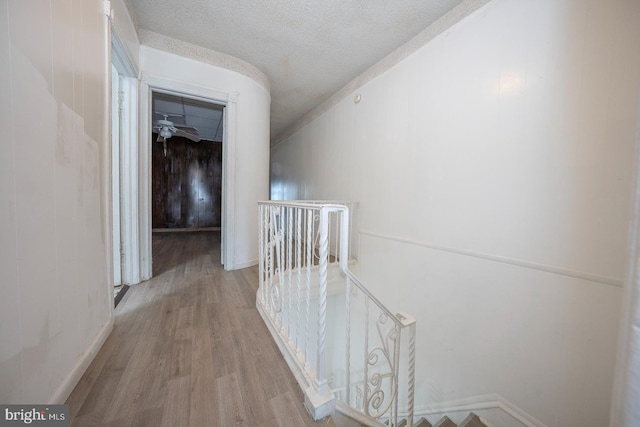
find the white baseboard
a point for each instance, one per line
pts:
(72, 378)
(495, 410)
(245, 264)
(355, 415)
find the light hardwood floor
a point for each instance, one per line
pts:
(189, 349)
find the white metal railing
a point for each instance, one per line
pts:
(339, 340)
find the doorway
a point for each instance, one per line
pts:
(186, 164)
(153, 83)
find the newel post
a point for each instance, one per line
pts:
(319, 398)
(322, 296)
(409, 323)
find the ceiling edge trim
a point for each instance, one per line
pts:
(201, 54)
(448, 20)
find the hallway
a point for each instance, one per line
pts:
(189, 348)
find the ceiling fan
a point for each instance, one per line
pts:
(166, 129)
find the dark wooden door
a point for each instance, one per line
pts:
(186, 184)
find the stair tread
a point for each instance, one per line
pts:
(445, 422)
(472, 420)
(423, 423)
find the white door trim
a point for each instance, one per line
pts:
(148, 84)
(625, 411)
(115, 174)
(126, 167)
(129, 183)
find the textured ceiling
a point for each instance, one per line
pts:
(308, 49)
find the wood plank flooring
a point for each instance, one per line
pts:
(189, 349)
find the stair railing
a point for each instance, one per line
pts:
(346, 349)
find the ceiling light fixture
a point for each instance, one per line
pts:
(165, 133)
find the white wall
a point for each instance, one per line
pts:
(247, 176)
(493, 169)
(55, 308)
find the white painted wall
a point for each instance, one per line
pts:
(55, 275)
(247, 175)
(493, 169)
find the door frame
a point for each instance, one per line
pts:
(115, 175)
(625, 411)
(150, 83)
(124, 167)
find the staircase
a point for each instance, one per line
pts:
(353, 358)
(348, 352)
(472, 420)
